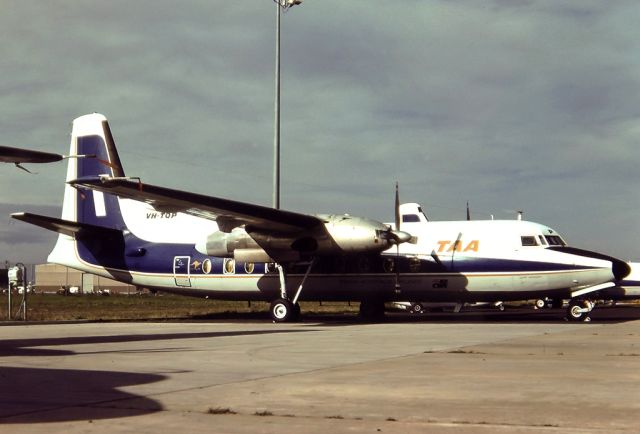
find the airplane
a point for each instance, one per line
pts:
(186, 243)
(18, 156)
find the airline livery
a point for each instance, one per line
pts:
(119, 227)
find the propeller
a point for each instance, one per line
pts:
(399, 237)
(396, 235)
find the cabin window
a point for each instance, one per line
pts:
(270, 267)
(229, 266)
(249, 267)
(389, 265)
(529, 241)
(555, 240)
(206, 266)
(410, 218)
(414, 265)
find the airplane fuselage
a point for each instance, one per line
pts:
(449, 261)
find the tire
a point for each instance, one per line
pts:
(282, 310)
(574, 311)
(540, 303)
(557, 303)
(296, 312)
(371, 310)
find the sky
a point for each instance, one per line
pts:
(508, 104)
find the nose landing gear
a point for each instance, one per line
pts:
(578, 310)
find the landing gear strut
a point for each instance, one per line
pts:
(283, 309)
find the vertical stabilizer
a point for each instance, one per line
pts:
(92, 153)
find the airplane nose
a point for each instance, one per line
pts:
(619, 268)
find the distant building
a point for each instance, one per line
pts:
(52, 277)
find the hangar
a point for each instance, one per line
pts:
(53, 277)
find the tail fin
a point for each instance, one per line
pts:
(92, 153)
(92, 228)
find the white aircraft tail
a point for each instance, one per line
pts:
(92, 153)
(97, 215)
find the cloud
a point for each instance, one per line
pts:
(509, 104)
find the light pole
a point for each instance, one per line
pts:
(281, 5)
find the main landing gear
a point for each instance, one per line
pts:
(283, 309)
(371, 310)
(579, 310)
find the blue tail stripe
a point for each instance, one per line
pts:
(96, 164)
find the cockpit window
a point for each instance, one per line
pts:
(555, 240)
(410, 218)
(529, 241)
(542, 240)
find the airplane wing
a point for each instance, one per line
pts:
(20, 155)
(227, 213)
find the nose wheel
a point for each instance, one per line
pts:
(579, 310)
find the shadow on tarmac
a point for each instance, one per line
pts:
(517, 315)
(31, 395)
(25, 347)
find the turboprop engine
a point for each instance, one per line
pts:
(236, 244)
(348, 234)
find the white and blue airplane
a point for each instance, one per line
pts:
(185, 243)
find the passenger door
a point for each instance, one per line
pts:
(181, 270)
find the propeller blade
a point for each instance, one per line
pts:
(397, 208)
(398, 237)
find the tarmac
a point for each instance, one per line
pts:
(465, 373)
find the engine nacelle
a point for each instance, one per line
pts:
(223, 244)
(357, 234)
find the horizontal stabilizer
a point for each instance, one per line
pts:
(21, 155)
(65, 227)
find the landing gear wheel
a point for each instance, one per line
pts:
(416, 308)
(296, 312)
(283, 310)
(578, 310)
(540, 303)
(371, 310)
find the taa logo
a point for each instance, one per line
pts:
(457, 246)
(439, 284)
